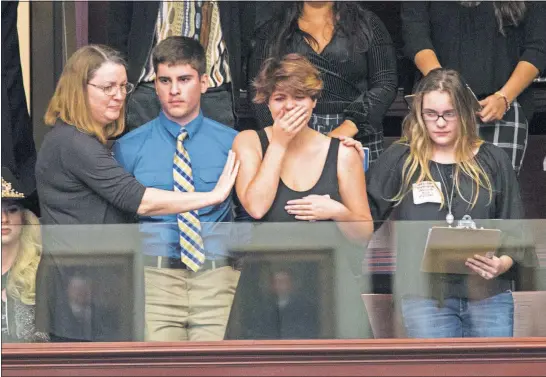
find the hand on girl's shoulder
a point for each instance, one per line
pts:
(348, 155)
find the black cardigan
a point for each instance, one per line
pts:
(360, 85)
(468, 40)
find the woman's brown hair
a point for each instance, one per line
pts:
(70, 102)
(293, 73)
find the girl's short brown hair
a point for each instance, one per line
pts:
(70, 101)
(293, 73)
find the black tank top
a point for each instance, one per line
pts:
(326, 185)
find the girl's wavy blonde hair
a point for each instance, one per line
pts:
(21, 283)
(70, 101)
(415, 134)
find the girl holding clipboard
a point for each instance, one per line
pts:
(437, 173)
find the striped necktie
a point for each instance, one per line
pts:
(191, 243)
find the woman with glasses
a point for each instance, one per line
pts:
(78, 179)
(498, 46)
(437, 173)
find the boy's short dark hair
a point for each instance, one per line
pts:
(180, 50)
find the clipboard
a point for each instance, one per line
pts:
(447, 249)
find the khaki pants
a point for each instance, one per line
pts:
(184, 305)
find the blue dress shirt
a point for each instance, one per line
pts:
(148, 153)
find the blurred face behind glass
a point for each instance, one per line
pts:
(12, 222)
(440, 118)
(281, 102)
(79, 292)
(105, 108)
(282, 284)
(179, 88)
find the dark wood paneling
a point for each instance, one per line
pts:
(532, 178)
(97, 22)
(46, 62)
(484, 357)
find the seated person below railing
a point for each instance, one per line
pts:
(21, 249)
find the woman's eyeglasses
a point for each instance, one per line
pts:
(112, 90)
(448, 116)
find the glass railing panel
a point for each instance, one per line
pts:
(272, 281)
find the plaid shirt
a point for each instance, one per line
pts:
(325, 123)
(509, 133)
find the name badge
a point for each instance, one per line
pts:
(427, 192)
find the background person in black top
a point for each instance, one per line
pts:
(80, 182)
(498, 46)
(356, 58)
(18, 150)
(440, 144)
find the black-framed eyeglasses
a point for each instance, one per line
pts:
(448, 116)
(111, 90)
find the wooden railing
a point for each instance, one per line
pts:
(401, 357)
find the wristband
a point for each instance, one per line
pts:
(503, 96)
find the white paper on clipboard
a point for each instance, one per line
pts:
(447, 249)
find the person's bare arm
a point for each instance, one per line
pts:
(356, 222)
(519, 80)
(532, 60)
(347, 128)
(259, 177)
(494, 106)
(157, 202)
(426, 61)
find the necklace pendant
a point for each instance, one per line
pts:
(450, 218)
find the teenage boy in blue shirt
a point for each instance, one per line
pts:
(183, 302)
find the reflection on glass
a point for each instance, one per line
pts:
(85, 293)
(303, 281)
(296, 311)
(291, 297)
